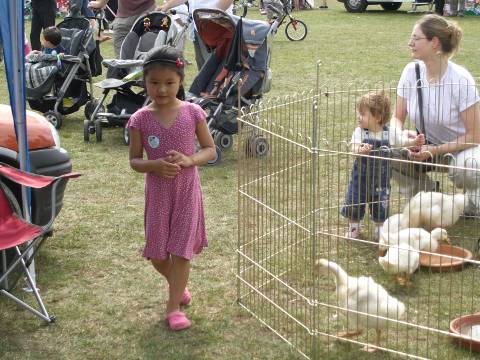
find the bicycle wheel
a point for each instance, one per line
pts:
(296, 30)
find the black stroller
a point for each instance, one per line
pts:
(59, 87)
(240, 53)
(125, 76)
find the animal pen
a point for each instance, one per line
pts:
(295, 161)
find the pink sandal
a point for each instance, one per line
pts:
(186, 297)
(177, 320)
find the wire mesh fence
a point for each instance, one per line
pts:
(295, 166)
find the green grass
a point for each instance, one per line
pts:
(108, 300)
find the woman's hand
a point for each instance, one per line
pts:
(179, 159)
(419, 140)
(425, 152)
(164, 167)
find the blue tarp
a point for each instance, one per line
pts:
(12, 35)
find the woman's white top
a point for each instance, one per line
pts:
(443, 101)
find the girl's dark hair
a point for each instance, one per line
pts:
(166, 56)
(448, 32)
(53, 35)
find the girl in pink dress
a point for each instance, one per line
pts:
(166, 130)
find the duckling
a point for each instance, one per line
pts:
(401, 260)
(389, 231)
(421, 239)
(430, 210)
(363, 294)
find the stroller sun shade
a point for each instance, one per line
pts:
(217, 29)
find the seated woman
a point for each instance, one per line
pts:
(449, 116)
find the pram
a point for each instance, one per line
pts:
(240, 52)
(125, 75)
(62, 89)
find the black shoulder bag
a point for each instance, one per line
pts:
(420, 98)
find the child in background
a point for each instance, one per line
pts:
(166, 130)
(40, 64)
(51, 39)
(370, 176)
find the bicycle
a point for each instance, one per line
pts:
(295, 30)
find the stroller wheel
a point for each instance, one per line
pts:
(126, 135)
(55, 118)
(98, 130)
(256, 146)
(218, 157)
(86, 130)
(90, 108)
(223, 141)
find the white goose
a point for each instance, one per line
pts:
(363, 294)
(430, 210)
(401, 260)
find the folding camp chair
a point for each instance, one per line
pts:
(21, 236)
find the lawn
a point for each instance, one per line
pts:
(109, 302)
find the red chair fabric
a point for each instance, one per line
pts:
(15, 231)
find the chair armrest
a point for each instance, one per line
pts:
(29, 179)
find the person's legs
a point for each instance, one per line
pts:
(178, 278)
(163, 266)
(121, 27)
(469, 180)
(379, 209)
(42, 17)
(439, 5)
(354, 206)
(35, 31)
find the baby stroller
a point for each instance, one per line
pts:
(59, 87)
(239, 52)
(125, 76)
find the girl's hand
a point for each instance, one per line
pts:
(425, 152)
(364, 148)
(179, 159)
(165, 168)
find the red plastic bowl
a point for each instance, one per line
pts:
(467, 329)
(446, 263)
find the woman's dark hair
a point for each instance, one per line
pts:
(448, 32)
(166, 56)
(53, 35)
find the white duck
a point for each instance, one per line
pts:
(363, 294)
(389, 230)
(401, 260)
(430, 210)
(421, 239)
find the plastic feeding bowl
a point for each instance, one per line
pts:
(467, 329)
(449, 258)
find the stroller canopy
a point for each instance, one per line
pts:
(217, 29)
(76, 35)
